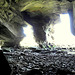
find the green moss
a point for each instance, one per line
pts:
(32, 5)
(49, 46)
(43, 6)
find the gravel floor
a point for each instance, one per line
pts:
(54, 62)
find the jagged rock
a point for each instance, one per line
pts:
(48, 62)
(40, 14)
(4, 65)
(33, 72)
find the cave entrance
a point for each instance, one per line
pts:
(62, 34)
(28, 40)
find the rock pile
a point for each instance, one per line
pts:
(48, 62)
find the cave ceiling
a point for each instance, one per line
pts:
(39, 13)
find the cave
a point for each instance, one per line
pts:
(37, 37)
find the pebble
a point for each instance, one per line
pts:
(46, 60)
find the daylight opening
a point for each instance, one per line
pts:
(28, 40)
(62, 34)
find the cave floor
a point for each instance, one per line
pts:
(50, 62)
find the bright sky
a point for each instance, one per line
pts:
(62, 33)
(29, 40)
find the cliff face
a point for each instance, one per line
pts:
(39, 13)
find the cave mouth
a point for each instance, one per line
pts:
(62, 35)
(28, 40)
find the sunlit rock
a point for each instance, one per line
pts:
(29, 39)
(39, 14)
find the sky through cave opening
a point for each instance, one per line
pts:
(62, 34)
(29, 40)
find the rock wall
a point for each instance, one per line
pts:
(39, 14)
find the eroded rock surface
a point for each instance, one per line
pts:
(39, 13)
(49, 62)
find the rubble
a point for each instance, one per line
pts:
(49, 62)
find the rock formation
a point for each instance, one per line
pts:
(39, 13)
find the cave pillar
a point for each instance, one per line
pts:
(74, 14)
(72, 18)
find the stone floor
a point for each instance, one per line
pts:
(49, 62)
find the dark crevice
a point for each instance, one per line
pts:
(70, 0)
(70, 11)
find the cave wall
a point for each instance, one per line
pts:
(39, 13)
(11, 22)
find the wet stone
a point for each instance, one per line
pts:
(50, 62)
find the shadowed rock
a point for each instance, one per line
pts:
(33, 72)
